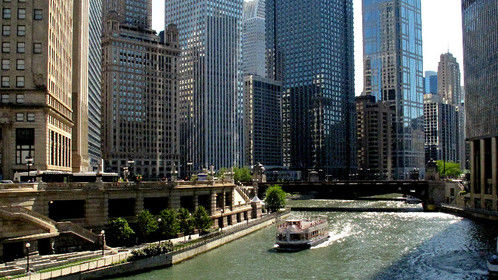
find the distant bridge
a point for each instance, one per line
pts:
(354, 189)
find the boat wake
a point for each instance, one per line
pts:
(335, 237)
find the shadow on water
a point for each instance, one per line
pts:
(448, 255)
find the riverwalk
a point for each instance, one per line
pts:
(117, 264)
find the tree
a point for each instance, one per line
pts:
(186, 221)
(168, 226)
(448, 169)
(202, 220)
(147, 225)
(221, 173)
(275, 198)
(242, 174)
(119, 232)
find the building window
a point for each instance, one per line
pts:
(5, 64)
(38, 14)
(25, 144)
(5, 30)
(6, 13)
(20, 81)
(20, 64)
(31, 117)
(20, 98)
(21, 13)
(21, 47)
(37, 48)
(6, 47)
(21, 30)
(19, 117)
(5, 81)
(5, 98)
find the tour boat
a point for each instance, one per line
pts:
(298, 234)
(493, 261)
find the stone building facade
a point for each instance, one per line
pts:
(139, 94)
(36, 106)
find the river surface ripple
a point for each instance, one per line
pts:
(367, 245)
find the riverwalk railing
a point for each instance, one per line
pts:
(82, 267)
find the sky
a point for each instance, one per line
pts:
(441, 32)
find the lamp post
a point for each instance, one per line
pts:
(27, 257)
(102, 234)
(158, 224)
(189, 171)
(29, 163)
(130, 163)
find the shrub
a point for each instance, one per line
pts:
(448, 169)
(119, 233)
(242, 174)
(168, 226)
(202, 220)
(147, 225)
(275, 198)
(151, 251)
(186, 221)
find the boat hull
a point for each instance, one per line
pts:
(298, 246)
(492, 268)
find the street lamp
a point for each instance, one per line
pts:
(158, 224)
(189, 165)
(102, 234)
(29, 163)
(27, 257)
(130, 163)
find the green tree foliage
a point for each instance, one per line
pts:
(202, 221)
(221, 173)
(169, 226)
(186, 221)
(448, 170)
(119, 233)
(147, 225)
(242, 174)
(275, 198)
(151, 251)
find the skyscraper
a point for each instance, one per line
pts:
(480, 45)
(210, 86)
(262, 121)
(449, 87)
(430, 82)
(450, 91)
(392, 53)
(441, 129)
(310, 49)
(253, 38)
(95, 83)
(36, 113)
(139, 96)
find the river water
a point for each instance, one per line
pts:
(363, 245)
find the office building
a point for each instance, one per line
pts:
(139, 97)
(374, 128)
(210, 86)
(36, 113)
(441, 129)
(430, 82)
(449, 83)
(393, 72)
(310, 50)
(95, 84)
(480, 19)
(262, 122)
(253, 38)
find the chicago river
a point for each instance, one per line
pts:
(362, 245)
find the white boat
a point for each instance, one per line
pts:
(413, 200)
(298, 234)
(493, 261)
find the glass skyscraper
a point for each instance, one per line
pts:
(430, 82)
(210, 86)
(253, 38)
(393, 71)
(95, 83)
(310, 49)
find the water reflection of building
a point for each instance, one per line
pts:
(480, 18)
(393, 71)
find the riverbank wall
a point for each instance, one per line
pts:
(474, 214)
(172, 258)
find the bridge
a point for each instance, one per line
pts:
(427, 191)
